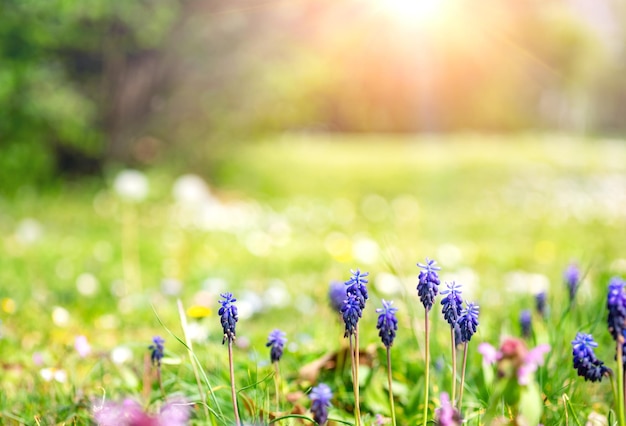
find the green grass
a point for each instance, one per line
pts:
(309, 210)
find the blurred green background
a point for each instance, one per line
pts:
(86, 84)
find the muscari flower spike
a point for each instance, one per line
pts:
(525, 321)
(452, 303)
(468, 322)
(276, 341)
(356, 286)
(336, 295)
(428, 283)
(571, 276)
(228, 317)
(616, 304)
(585, 361)
(351, 312)
(387, 323)
(320, 397)
(157, 350)
(540, 303)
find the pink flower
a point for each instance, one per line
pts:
(513, 355)
(129, 413)
(532, 360)
(489, 353)
(446, 415)
(82, 346)
(38, 359)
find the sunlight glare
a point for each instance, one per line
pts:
(414, 11)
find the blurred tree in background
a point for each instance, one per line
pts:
(75, 78)
(87, 82)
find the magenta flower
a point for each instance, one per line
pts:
(514, 353)
(489, 353)
(129, 413)
(447, 415)
(532, 360)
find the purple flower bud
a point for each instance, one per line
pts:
(157, 350)
(525, 321)
(228, 317)
(336, 295)
(616, 304)
(571, 276)
(468, 322)
(351, 313)
(428, 283)
(540, 303)
(452, 303)
(356, 286)
(585, 361)
(387, 323)
(276, 340)
(320, 397)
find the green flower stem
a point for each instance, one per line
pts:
(461, 388)
(619, 403)
(427, 361)
(277, 385)
(355, 378)
(391, 405)
(232, 382)
(452, 340)
(163, 394)
(357, 355)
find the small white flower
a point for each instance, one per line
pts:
(87, 284)
(131, 185)
(28, 231)
(49, 374)
(190, 189)
(121, 355)
(60, 316)
(197, 332)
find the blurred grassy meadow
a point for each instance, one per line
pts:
(503, 216)
(154, 155)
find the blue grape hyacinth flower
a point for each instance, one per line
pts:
(468, 322)
(616, 304)
(336, 295)
(356, 286)
(585, 361)
(320, 397)
(452, 303)
(571, 277)
(427, 287)
(157, 350)
(540, 303)
(228, 317)
(387, 323)
(276, 342)
(351, 313)
(525, 321)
